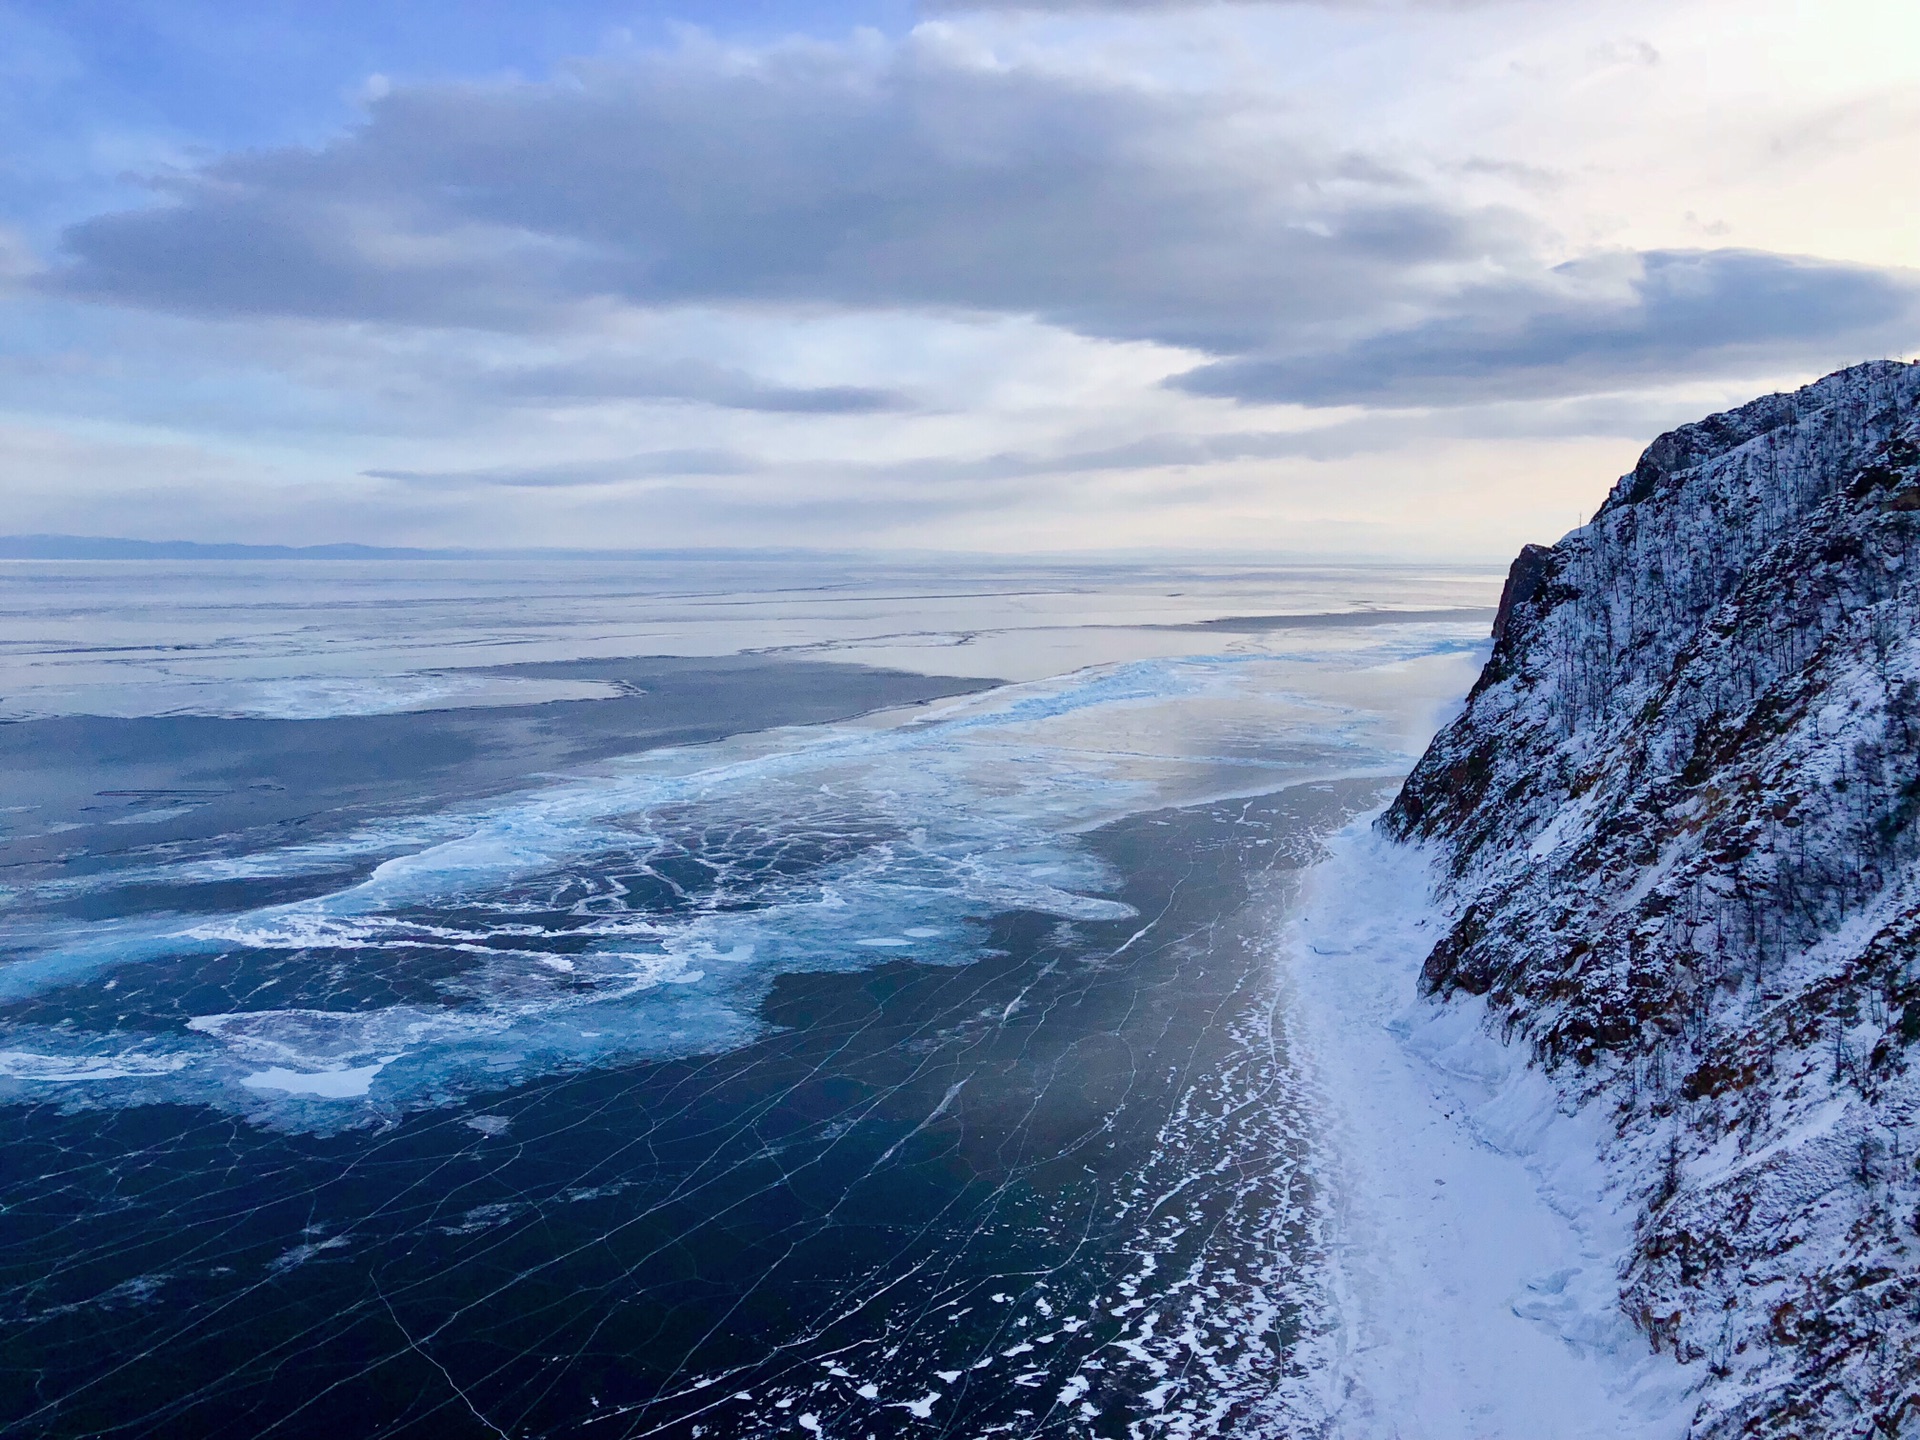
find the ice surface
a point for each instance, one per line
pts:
(914, 1074)
(318, 638)
(63, 1069)
(643, 912)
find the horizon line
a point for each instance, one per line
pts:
(48, 546)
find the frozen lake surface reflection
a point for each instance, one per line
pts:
(717, 1043)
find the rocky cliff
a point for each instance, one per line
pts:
(1680, 820)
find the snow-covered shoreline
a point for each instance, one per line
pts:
(1475, 1238)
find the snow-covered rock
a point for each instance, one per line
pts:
(1680, 821)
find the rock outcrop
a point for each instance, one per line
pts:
(1680, 820)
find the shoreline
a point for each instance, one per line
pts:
(1473, 1233)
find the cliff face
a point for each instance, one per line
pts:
(1681, 821)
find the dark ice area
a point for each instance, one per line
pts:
(1055, 1191)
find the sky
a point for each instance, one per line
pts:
(1351, 277)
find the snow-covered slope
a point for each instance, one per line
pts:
(1472, 1232)
(1680, 828)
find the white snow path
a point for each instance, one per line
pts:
(1475, 1238)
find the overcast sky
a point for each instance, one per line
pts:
(1386, 277)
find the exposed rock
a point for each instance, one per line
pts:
(1679, 815)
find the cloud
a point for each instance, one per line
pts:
(591, 380)
(1585, 418)
(1610, 323)
(1168, 450)
(576, 474)
(920, 175)
(864, 175)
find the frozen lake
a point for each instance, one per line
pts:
(674, 996)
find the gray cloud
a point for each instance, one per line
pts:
(576, 474)
(591, 380)
(904, 177)
(1681, 314)
(910, 176)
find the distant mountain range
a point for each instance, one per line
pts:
(87, 547)
(91, 547)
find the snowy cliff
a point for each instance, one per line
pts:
(1680, 820)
